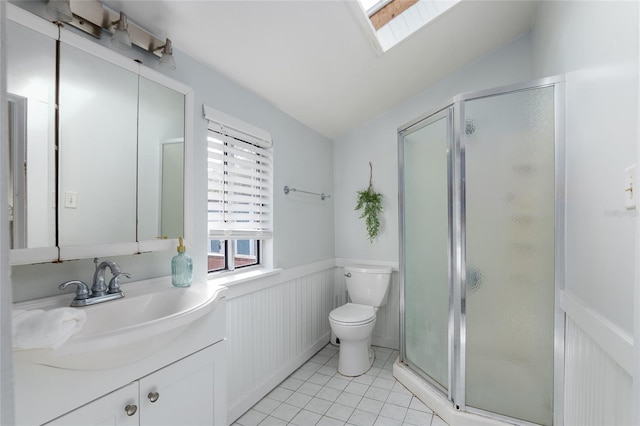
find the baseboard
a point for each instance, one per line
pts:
(260, 392)
(385, 342)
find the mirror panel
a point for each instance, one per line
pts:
(160, 161)
(119, 169)
(98, 150)
(31, 68)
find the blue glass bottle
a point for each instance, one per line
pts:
(181, 267)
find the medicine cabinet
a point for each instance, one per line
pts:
(104, 174)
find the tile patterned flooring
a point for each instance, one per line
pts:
(316, 394)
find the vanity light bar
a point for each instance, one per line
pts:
(91, 17)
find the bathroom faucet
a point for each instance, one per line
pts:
(99, 287)
(100, 292)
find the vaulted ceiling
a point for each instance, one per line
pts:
(315, 61)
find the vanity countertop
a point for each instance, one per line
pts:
(121, 331)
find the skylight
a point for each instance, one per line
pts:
(394, 20)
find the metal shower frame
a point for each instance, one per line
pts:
(454, 112)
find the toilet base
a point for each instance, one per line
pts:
(355, 358)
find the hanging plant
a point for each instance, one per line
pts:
(371, 203)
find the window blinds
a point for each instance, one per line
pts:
(240, 179)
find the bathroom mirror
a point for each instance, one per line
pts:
(98, 149)
(115, 184)
(160, 161)
(31, 72)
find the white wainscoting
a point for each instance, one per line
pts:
(274, 325)
(598, 385)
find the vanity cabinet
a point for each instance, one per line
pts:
(182, 393)
(108, 410)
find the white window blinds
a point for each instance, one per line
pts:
(240, 171)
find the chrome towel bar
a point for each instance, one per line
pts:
(288, 189)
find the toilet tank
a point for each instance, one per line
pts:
(368, 285)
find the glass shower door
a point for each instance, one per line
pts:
(509, 159)
(425, 238)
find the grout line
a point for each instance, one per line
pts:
(301, 388)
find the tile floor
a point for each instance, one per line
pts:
(316, 394)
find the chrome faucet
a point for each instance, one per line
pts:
(100, 292)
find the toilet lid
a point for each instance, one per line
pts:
(352, 313)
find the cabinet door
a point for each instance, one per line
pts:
(183, 392)
(117, 408)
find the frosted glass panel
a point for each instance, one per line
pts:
(509, 143)
(426, 288)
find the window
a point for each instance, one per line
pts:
(394, 20)
(240, 188)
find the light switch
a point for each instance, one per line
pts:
(70, 199)
(630, 190)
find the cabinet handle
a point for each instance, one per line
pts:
(153, 396)
(130, 409)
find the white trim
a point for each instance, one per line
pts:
(31, 21)
(360, 15)
(98, 250)
(98, 51)
(187, 217)
(158, 245)
(164, 80)
(250, 281)
(344, 261)
(227, 120)
(33, 255)
(617, 343)
(385, 342)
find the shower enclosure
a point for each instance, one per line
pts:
(481, 190)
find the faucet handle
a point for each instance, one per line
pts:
(82, 290)
(114, 284)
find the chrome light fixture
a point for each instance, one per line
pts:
(120, 37)
(167, 61)
(60, 10)
(92, 17)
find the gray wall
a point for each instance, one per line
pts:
(595, 45)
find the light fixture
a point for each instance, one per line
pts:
(167, 61)
(120, 37)
(60, 10)
(92, 17)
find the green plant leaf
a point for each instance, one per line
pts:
(371, 204)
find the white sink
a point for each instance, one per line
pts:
(121, 331)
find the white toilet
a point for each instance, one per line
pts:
(353, 323)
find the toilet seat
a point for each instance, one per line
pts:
(352, 314)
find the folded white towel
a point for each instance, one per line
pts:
(38, 329)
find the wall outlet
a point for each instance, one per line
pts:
(70, 199)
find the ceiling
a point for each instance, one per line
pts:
(315, 60)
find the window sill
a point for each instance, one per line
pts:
(230, 279)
